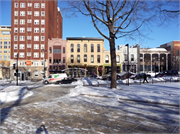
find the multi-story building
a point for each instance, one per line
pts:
(32, 24)
(154, 59)
(84, 53)
(5, 45)
(134, 52)
(107, 61)
(174, 49)
(56, 56)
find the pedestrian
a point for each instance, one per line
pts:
(145, 78)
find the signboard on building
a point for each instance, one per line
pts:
(28, 63)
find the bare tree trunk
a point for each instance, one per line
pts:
(113, 62)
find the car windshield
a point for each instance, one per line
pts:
(50, 76)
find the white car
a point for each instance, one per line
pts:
(53, 78)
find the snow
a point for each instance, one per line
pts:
(161, 93)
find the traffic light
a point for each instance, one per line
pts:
(14, 66)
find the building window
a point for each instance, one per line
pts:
(36, 38)
(72, 47)
(78, 47)
(42, 22)
(36, 13)
(28, 54)
(5, 51)
(21, 46)
(29, 21)
(36, 46)
(92, 58)
(22, 30)
(28, 37)
(35, 62)
(36, 55)
(125, 57)
(42, 30)
(22, 5)
(85, 58)
(42, 13)
(42, 38)
(132, 57)
(0, 57)
(98, 58)
(36, 30)
(15, 38)
(92, 47)
(36, 73)
(16, 5)
(118, 59)
(50, 51)
(72, 58)
(9, 44)
(36, 22)
(28, 29)
(28, 45)
(15, 13)
(59, 51)
(49, 60)
(98, 48)
(15, 21)
(107, 59)
(29, 13)
(22, 21)
(21, 55)
(36, 5)
(42, 55)
(29, 4)
(63, 49)
(78, 58)
(15, 30)
(42, 5)
(85, 48)
(22, 38)
(63, 60)
(5, 57)
(5, 44)
(42, 46)
(22, 13)
(15, 55)
(15, 46)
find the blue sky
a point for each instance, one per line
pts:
(82, 26)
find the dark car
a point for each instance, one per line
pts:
(66, 81)
(108, 77)
(167, 73)
(126, 75)
(139, 76)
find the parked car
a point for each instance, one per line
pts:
(139, 76)
(126, 75)
(95, 76)
(66, 81)
(53, 78)
(167, 73)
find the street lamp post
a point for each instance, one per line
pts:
(17, 71)
(44, 61)
(155, 67)
(128, 61)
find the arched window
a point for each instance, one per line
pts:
(78, 47)
(98, 48)
(85, 48)
(85, 58)
(72, 47)
(92, 47)
(117, 59)
(72, 58)
(107, 59)
(92, 58)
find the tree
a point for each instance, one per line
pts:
(121, 18)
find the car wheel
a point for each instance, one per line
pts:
(46, 82)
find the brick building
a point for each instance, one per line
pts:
(32, 24)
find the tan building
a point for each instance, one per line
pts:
(5, 44)
(84, 53)
(107, 61)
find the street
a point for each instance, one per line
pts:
(50, 111)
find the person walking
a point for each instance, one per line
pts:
(145, 78)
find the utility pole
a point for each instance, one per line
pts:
(17, 71)
(128, 61)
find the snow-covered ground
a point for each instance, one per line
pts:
(164, 93)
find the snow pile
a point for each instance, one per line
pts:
(13, 93)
